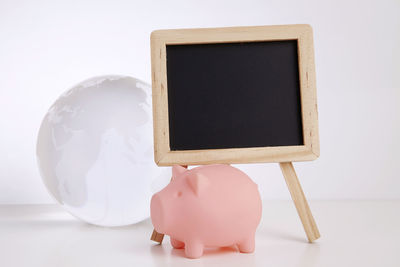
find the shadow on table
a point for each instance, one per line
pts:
(270, 234)
(164, 255)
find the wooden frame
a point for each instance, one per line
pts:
(302, 33)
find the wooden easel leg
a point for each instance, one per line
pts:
(300, 201)
(156, 236)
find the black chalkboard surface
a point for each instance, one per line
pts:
(234, 95)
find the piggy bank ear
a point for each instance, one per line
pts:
(177, 170)
(198, 182)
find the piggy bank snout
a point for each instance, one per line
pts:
(157, 213)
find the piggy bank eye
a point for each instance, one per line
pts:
(178, 194)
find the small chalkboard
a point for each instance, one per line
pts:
(234, 95)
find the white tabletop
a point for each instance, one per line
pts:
(353, 233)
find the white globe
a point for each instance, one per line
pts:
(95, 151)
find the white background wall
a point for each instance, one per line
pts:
(47, 46)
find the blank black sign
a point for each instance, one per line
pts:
(234, 95)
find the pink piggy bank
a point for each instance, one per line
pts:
(211, 205)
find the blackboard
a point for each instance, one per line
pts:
(234, 95)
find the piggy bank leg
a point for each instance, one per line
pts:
(247, 245)
(193, 250)
(176, 243)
